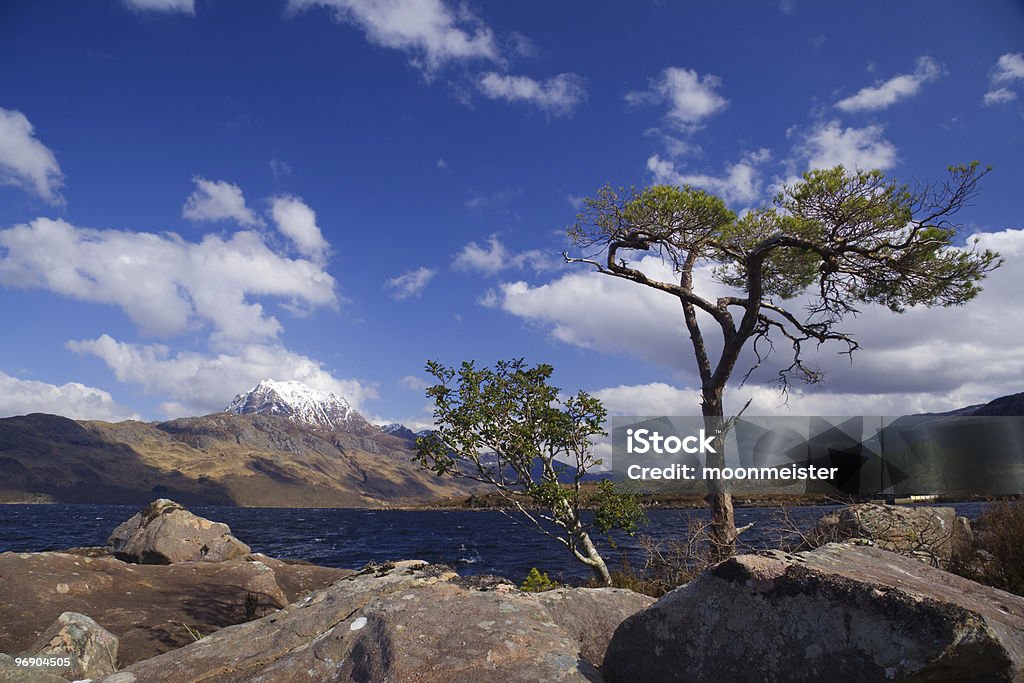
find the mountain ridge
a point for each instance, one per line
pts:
(218, 459)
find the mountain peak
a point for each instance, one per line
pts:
(299, 403)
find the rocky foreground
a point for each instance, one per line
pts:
(177, 598)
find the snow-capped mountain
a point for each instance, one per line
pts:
(403, 432)
(299, 403)
(399, 430)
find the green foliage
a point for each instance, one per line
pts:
(509, 428)
(617, 507)
(840, 238)
(538, 582)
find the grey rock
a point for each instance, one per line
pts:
(407, 621)
(839, 613)
(592, 615)
(91, 648)
(930, 534)
(165, 533)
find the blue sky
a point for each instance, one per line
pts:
(195, 195)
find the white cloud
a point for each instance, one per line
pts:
(280, 169)
(691, 97)
(658, 398)
(183, 6)
(410, 284)
(296, 221)
(413, 383)
(496, 257)
(165, 284)
(557, 96)
(890, 92)
(630, 319)
(924, 359)
(218, 200)
(442, 164)
(25, 162)
(1009, 67)
(522, 45)
(73, 400)
(999, 96)
(434, 33)
(741, 182)
(829, 144)
(655, 398)
(200, 383)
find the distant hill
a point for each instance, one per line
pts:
(1004, 406)
(223, 458)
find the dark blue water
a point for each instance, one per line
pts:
(474, 542)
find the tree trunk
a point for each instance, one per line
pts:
(719, 498)
(594, 559)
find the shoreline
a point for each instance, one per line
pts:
(486, 503)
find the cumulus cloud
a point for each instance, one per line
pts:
(430, 30)
(296, 221)
(218, 200)
(26, 162)
(410, 284)
(741, 182)
(629, 319)
(925, 359)
(1008, 69)
(206, 383)
(999, 96)
(495, 257)
(658, 398)
(165, 284)
(887, 93)
(182, 6)
(73, 400)
(557, 96)
(691, 97)
(830, 144)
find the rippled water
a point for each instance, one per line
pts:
(475, 542)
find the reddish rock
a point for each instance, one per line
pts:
(150, 608)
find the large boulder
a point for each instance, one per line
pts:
(408, 621)
(839, 613)
(150, 608)
(930, 534)
(90, 648)
(165, 532)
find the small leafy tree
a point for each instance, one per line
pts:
(840, 238)
(538, 582)
(508, 428)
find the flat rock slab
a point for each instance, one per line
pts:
(406, 622)
(150, 608)
(839, 613)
